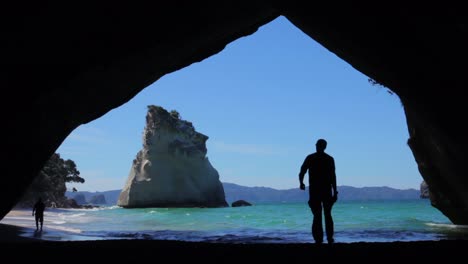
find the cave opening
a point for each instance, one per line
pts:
(263, 102)
(265, 97)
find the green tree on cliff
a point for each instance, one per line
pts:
(175, 114)
(50, 184)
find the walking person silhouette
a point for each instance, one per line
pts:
(322, 181)
(38, 211)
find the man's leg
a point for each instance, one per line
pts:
(317, 229)
(42, 220)
(327, 207)
(37, 222)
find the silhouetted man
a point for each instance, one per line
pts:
(322, 181)
(38, 210)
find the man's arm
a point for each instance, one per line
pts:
(335, 191)
(34, 209)
(304, 167)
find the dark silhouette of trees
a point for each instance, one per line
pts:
(50, 184)
(175, 114)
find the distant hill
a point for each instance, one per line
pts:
(236, 192)
(110, 197)
(264, 194)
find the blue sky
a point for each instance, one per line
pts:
(263, 101)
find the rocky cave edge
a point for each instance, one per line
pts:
(64, 65)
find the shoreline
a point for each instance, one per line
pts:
(57, 244)
(81, 229)
(20, 225)
(14, 238)
(175, 251)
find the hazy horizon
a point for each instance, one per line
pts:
(417, 189)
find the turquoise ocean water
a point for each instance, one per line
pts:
(355, 221)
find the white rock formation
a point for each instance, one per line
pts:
(172, 169)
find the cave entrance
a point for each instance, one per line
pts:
(263, 101)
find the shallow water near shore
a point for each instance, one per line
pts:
(355, 221)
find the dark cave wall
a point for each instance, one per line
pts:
(68, 64)
(418, 52)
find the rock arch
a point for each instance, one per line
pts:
(65, 65)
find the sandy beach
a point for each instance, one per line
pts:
(175, 251)
(22, 236)
(14, 229)
(19, 224)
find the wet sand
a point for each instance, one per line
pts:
(13, 239)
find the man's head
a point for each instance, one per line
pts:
(321, 145)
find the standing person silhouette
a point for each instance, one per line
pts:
(322, 181)
(38, 211)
